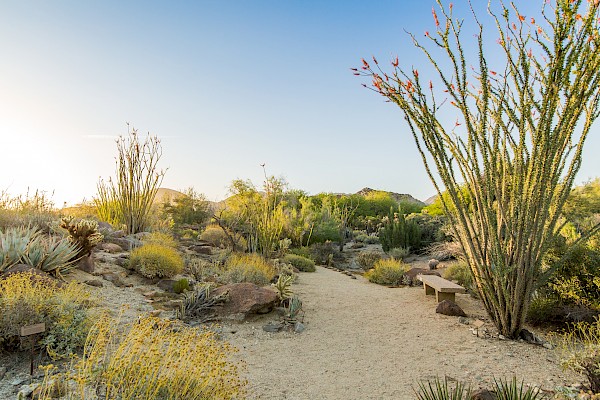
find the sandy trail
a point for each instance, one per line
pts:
(365, 341)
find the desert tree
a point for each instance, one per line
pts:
(128, 199)
(516, 145)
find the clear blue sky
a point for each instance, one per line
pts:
(226, 85)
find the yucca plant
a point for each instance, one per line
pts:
(515, 148)
(511, 390)
(441, 390)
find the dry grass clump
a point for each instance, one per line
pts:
(156, 261)
(581, 352)
(461, 273)
(27, 299)
(251, 267)
(156, 359)
(161, 238)
(367, 259)
(445, 250)
(388, 272)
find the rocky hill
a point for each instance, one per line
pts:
(399, 197)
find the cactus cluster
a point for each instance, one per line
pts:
(83, 233)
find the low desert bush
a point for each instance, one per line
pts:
(460, 273)
(302, 263)
(399, 253)
(324, 253)
(301, 251)
(581, 352)
(367, 239)
(157, 359)
(35, 210)
(367, 259)
(161, 238)
(444, 250)
(388, 272)
(215, 235)
(181, 286)
(156, 261)
(251, 267)
(27, 299)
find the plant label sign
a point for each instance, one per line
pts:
(33, 329)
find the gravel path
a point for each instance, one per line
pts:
(365, 341)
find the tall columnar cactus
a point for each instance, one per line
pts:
(517, 140)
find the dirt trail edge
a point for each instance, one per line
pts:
(365, 341)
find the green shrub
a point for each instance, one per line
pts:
(327, 231)
(389, 272)
(156, 261)
(181, 286)
(398, 232)
(367, 259)
(302, 263)
(252, 268)
(461, 273)
(324, 253)
(27, 299)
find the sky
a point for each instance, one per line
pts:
(225, 85)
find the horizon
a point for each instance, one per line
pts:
(225, 86)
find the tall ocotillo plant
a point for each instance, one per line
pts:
(128, 200)
(517, 141)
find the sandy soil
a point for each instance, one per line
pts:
(365, 341)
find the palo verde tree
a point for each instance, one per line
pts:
(129, 198)
(516, 145)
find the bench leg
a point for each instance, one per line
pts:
(428, 290)
(441, 296)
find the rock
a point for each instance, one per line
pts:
(529, 337)
(122, 261)
(167, 285)
(118, 234)
(201, 249)
(483, 394)
(501, 337)
(110, 247)
(87, 264)
(448, 307)
(246, 299)
(464, 320)
(105, 228)
(352, 276)
(411, 274)
(155, 313)
(299, 327)
(272, 327)
(18, 380)
(548, 346)
(2, 372)
(113, 278)
(94, 282)
(433, 263)
(26, 390)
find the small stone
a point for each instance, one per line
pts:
(483, 394)
(548, 346)
(18, 380)
(352, 276)
(501, 337)
(113, 278)
(272, 327)
(94, 283)
(166, 285)
(150, 294)
(26, 390)
(299, 327)
(155, 313)
(464, 320)
(2, 372)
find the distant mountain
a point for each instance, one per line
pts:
(398, 197)
(164, 194)
(431, 200)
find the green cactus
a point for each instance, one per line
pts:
(83, 233)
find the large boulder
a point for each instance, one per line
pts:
(245, 299)
(110, 247)
(448, 307)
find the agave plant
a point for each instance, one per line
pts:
(13, 245)
(441, 390)
(51, 255)
(506, 390)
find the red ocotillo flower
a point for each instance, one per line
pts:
(435, 18)
(395, 62)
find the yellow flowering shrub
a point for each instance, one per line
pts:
(27, 299)
(388, 272)
(156, 261)
(157, 359)
(252, 268)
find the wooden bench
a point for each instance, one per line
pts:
(442, 288)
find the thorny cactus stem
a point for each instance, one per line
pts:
(517, 142)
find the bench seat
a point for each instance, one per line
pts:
(442, 288)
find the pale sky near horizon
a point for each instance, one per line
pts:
(226, 86)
